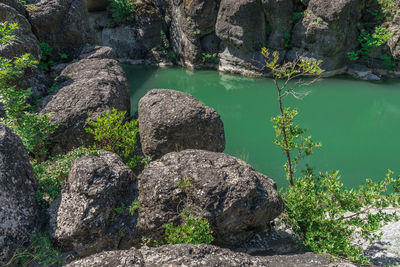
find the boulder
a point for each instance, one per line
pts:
(201, 255)
(394, 41)
(25, 41)
(90, 87)
(327, 31)
(63, 24)
(86, 218)
(100, 52)
(279, 15)
(241, 24)
(96, 5)
(235, 199)
(18, 209)
(193, 20)
(173, 121)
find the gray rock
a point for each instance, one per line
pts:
(200, 255)
(394, 41)
(241, 24)
(100, 52)
(84, 219)
(18, 209)
(63, 24)
(362, 72)
(96, 5)
(328, 30)
(173, 121)
(25, 41)
(192, 20)
(91, 86)
(235, 199)
(16, 5)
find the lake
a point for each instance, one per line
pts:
(357, 122)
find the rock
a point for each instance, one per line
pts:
(85, 219)
(63, 24)
(279, 15)
(91, 85)
(18, 209)
(25, 41)
(17, 5)
(362, 72)
(100, 52)
(200, 255)
(235, 199)
(241, 24)
(173, 121)
(328, 30)
(192, 21)
(394, 41)
(96, 5)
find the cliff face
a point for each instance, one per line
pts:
(228, 35)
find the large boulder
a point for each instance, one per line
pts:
(193, 21)
(18, 208)
(25, 41)
(91, 86)
(229, 193)
(63, 24)
(394, 41)
(328, 31)
(91, 214)
(173, 121)
(201, 255)
(241, 24)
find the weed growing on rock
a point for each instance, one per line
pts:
(191, 231)
(324, 215)
(51, 173)
(209, 58)
(114, 133)
(7, 32)
(47, 51)
(39, 252)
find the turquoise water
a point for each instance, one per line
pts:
(357, 122)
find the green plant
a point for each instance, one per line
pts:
(210, 58)
(54, 88)
(191, 231)
(388, 9)
(318, 20)
(287, 38)
(197, 31)
(114, 133)
(47, 51)
(370, 42)
(288, 136)
(7, 31)
(51, 173)
(40, 251)
(63, 56)
(32, 128)
(185, 183)
(164, 41)
(135, 205)
(388, 62)
(123, 10)
(297, 15)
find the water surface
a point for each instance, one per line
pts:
(357, 122)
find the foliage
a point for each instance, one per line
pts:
(164, 40)
(47, 51)
(39, 252)
(32, 128)
(51, 173)
(388, 62)
(297, 15)
(388, 9)
(325, 215)
(185, 183)
(287, 134)
(114, 133)
(191, 231)
(135, 205)
(370, 42)
(123, 10)
(7, 32)
(322, 213)
(210, 58)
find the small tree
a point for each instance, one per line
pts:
(287, 79)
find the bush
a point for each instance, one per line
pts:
(114, 133)
(32, 128)
(191, 231)
(40, 252)
(123, 10)
(51, 173)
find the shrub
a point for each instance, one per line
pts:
(47, 51)
(191, 231)
(114, 133)
(51, 173)
(32, 128)
(210, 58)
(40, 252)
(123, 10)
(7, 32)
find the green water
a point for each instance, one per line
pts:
(357, 122)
